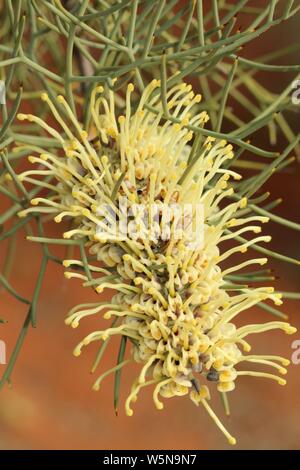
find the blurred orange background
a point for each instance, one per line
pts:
(50, 404)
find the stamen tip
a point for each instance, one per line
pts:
(21, 116)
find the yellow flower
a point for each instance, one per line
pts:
(171, 301)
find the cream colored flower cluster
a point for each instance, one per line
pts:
(172, 301)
